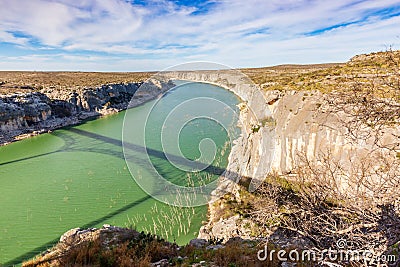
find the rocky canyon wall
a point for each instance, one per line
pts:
(284, 129)
(286, 132)
(36, 112)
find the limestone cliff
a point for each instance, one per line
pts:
(284, 129)
(278, 125)
(49, 109)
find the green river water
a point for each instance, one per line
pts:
(77, 177)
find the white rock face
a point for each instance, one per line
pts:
(292, 125)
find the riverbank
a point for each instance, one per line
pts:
(23, 115)
(80, 175)
(313, 148)
(115, 246)
(315, 161)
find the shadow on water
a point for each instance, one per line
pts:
(31, 157)
(91, 224)
(145, 150)
(71, 145)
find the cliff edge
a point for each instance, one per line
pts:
(26, 114)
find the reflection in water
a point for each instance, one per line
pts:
(77, 177)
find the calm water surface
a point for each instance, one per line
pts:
(77, 177)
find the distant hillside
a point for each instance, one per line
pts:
(324, 77)
(376, 69)
(27, 81)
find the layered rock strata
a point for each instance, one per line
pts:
(281, 130)
(22, 115)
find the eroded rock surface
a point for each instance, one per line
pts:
(28, 114)
(280, 130)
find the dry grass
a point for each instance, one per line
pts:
(146, 249)
(25, 81)
(298, 209)
(308, 204)
(376, 68)
(290, 77)
(137, 250)
(324, 77)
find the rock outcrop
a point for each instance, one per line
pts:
(279, 125)
(283, 129)
(33, 113)
(115, 246)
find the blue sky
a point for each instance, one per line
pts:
(139, 35)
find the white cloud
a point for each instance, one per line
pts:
(7, 37)
(54, 23)
(236, 32)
